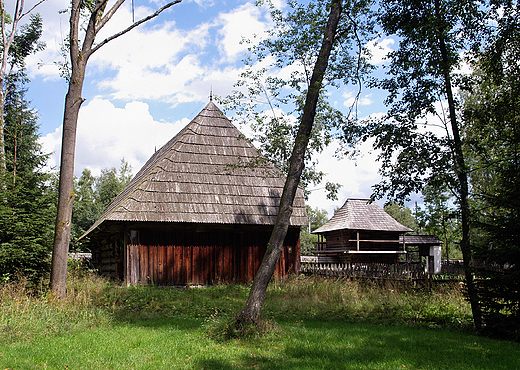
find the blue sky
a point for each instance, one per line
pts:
(142, 88)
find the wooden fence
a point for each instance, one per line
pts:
(405, 271)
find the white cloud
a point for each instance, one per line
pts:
(350, 99)
(241, 23)
(55, 30)
(357, 176)
(379, 49)
(203, 3)
(106, 134)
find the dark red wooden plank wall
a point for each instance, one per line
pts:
(232, 258)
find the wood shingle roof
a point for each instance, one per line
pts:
(360, 214)
(202, 175)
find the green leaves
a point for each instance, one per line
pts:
(93, 195)
(492, 134)
(271, 92)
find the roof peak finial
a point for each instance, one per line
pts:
(211, 93)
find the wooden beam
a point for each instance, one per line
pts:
(375, 241)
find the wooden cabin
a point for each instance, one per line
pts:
(200, 211)
(360, 231)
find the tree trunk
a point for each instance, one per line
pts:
(3, 165)
(251, 310)
(60, 251)
(462, 176)
(73, 101)
(6, 45)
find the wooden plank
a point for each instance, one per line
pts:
(143, 263)
(201, 264)
(169, 264)
(152, 264)
(161, 265)
(250, 263)
(133, 262)
(209, 262)
(196, 264)
(178, 276)
(212, 263)
(186, 263)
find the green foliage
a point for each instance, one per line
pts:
(28, 311)
(419, 137)
(93, 195)
(415, 137)
(440, 217)
(272, 104)
(403, 215)
(104, 326)
(26, 42)
(93, 302)
(317, 218)
(223, 328)
(26, 206)
(493, 144)
(388, 303)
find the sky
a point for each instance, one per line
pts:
(143, 87)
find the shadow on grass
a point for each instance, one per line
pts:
(336, 345)
(182, 343)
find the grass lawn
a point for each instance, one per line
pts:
(312, 326)
(314, 344)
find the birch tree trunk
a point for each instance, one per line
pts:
(7, 40)
(251, 310)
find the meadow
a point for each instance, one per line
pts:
(308, 323)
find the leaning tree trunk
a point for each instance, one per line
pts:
(462, 177)
(251, 310)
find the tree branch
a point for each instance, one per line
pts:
(116, 35)
(91, 31)
(109, 15)
(30, 10)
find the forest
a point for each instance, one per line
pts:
(466, 170)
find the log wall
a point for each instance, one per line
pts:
(191, 256)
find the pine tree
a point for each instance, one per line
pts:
(26, 213)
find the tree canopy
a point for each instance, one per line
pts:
(272, 102)
(492, 137)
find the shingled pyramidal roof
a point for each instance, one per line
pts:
(204, 175)
(361, 214)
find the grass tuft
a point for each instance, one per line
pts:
(224, 327)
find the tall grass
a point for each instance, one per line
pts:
(309, 323)
(383, 302)
(26, 312)
(94, 302)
